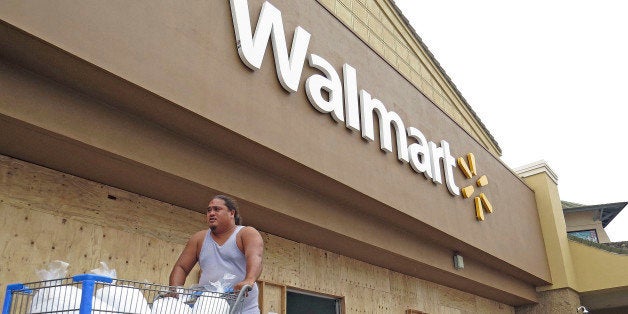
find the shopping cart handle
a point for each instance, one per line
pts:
(247, 288)
(241, 295)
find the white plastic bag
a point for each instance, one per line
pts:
(104, 270)
(55, 297)
(170, 305)
(124, 299)
(213, 300)
(120, 298)
(211, 303)
(56, 270)
(223, 285)
(99, 307)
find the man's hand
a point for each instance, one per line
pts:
(172, 292)
(241, 284)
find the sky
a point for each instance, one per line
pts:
(547, 79)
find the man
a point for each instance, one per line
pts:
(226, 248)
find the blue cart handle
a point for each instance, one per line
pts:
(8, 297)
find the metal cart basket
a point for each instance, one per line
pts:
(88, 293)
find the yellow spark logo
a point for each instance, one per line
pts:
(481, 201)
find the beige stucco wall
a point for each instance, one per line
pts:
(554, 229)
(597, 269)
(577, 221)
(581, 274)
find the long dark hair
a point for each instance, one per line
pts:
(232, 205)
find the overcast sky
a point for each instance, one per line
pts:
(548, 79)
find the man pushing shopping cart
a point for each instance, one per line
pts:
(229, 254)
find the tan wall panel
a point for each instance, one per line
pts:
(320, 270)
(41, 189)
(359, 299)
(452, 299)
(31, 239)
(48, 215)
(483, 305)
(597, 269)
(400, 303)
(449, 310)
(554, 229)
(280, 256)
(365, 288)
(577, 221)
(273, 298)
(356, 273)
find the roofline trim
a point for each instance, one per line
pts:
(536, 168)
(445, 75)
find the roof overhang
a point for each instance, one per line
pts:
(606, 212)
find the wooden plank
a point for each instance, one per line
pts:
(320, 270)
(34, 239)
(430, 294)
(272, 298)
(42, 189)
(456, 299)
(489, 306)
(361, 274)
(403, 284)
(281, 260)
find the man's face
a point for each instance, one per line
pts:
(218, 214)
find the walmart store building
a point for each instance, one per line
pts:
(342, 138)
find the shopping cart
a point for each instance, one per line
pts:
(88, 293)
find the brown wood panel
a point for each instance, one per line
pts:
(46, 215)
(33, 238)
(281, 258)
(320, 270)
(53, 192)
(361, 274)
(272, 298)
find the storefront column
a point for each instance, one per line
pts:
(562, 294)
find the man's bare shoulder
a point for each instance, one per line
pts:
(248, 230)
(198, 236)
(249, 234)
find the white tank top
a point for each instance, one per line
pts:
(216, 261)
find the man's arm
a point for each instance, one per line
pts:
(187, 260)
(253, 247)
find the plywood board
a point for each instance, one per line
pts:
(37, 188)
(319, 270)
(273, 298)
(281, 258)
